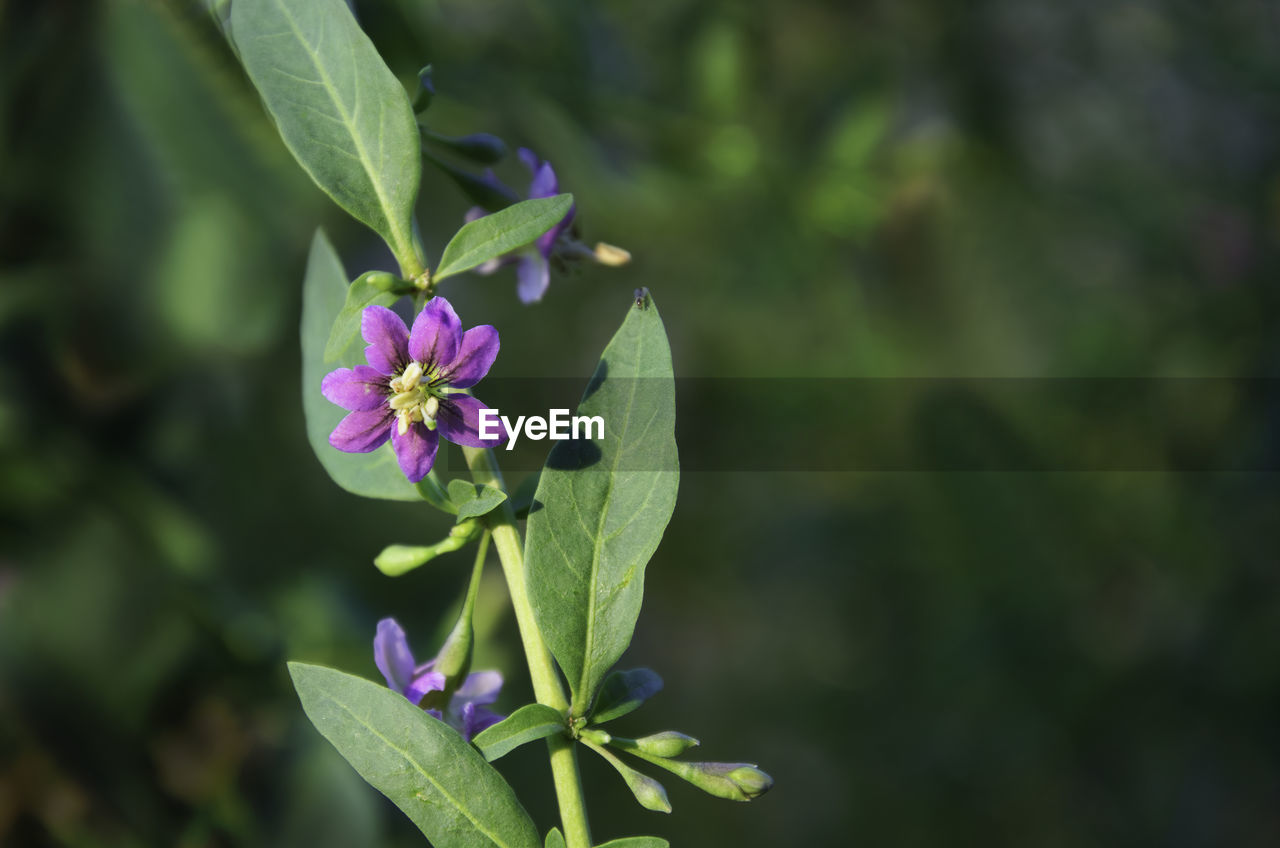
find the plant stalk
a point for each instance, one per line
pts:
(542, 671)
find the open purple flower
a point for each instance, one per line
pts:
(411, 392)
(467, 712)
(533, 273)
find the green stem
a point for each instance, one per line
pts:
(542, 671)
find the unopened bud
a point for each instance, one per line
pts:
(596, 735)
(649, 792)
(669, 743)
(732, 781)
(611, 255)
(751, 780)
(382, 280)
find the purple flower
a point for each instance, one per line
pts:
(411, 390)
(533, 273)
(467, 711)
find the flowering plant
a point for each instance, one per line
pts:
(427, 738)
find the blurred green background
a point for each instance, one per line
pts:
(1012, 188)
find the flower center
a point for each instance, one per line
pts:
(414, 398)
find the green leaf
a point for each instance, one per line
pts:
(346, 326)
(474, 500)
(372, 475)
(427, 770)
(340, 110)
(636, 842)
(527, 724)
(602, 506)
(555, 839)
(624, 692)
(502, 232)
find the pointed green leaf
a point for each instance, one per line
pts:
(474, 500)
(427, 770)
(602, 506)
(502, 232)
(555, 839)
(527, 724)
(340, 110)
(636, 842)
(373, 475)
(623, 692)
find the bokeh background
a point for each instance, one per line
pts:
(916, 188)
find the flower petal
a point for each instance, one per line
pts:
(546, 242)
(436, 334)
(544, 182)
(476, 719)
(475, 357)
(361, 388)
(529, 158)
(363, 431)
(459, 421)
(427, 681)
(480, 687)
(388, 339)
(392, 655)
(532, 276)
(415, 450)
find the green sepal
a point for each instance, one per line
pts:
(369, 288)
(396, 560)
(433, 493)
(623, 692)
(636, 842)
(527, 724)
(473, 499)
(424, 766)
(555, 839)
(500, 233)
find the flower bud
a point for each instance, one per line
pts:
(649, 792)
(669, 743)
(596, 735)
(382, 280)
(732, 781)
(751, 781)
